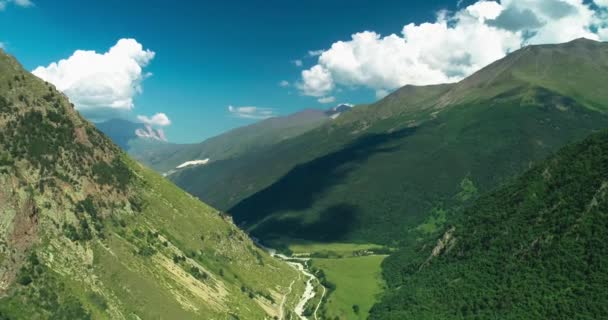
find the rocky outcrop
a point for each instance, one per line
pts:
(444, 244)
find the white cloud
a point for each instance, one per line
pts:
(452, 46)
(485, 10)
(101, 83)
(603, 33)
(381, 93)
(158, 120)
(297, 62)
(316, 82)
(558, 20)
(249, 112)
(329, 99)
(315, 53)
(284, 84)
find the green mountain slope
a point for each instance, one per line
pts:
(379, 172)
(225, 183)
(85, 232)
(571, 69)
(533, 249)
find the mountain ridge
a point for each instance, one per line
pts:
(262, 134)
(520, 122)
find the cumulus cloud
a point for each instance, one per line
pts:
(452, 46)
(297, 62)
(284, 84)
(158, 120)
(249, 112)
(316, 81)
(101, 84)
(329, 99)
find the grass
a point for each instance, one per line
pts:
(436, 220)
(202, 233)
(358, 283)
(350, 268)
(333, 249)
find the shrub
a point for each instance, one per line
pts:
(24, 278)
(147, 251)
(198, 274)
(70, 232)
(4, 106)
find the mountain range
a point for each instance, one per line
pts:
(383, 169)
(481, 199)
(461, 179)
(167, 157)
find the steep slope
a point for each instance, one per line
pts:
(231, 144)
(85, 232)
(382, 169)
(533, 249)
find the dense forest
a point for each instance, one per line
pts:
(533, 249)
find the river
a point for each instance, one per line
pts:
(300, 264)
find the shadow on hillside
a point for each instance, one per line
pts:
(332, 225)
(301, 186)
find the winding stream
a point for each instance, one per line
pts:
(299, 264)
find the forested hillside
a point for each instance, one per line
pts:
(533, 249)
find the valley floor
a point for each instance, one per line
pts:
(350, 274)
(358, 282)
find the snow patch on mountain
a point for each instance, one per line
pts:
(192, 163)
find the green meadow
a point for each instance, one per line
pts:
(351, 272)
(331, 249)
(358, 283)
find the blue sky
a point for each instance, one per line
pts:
(209, 55)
